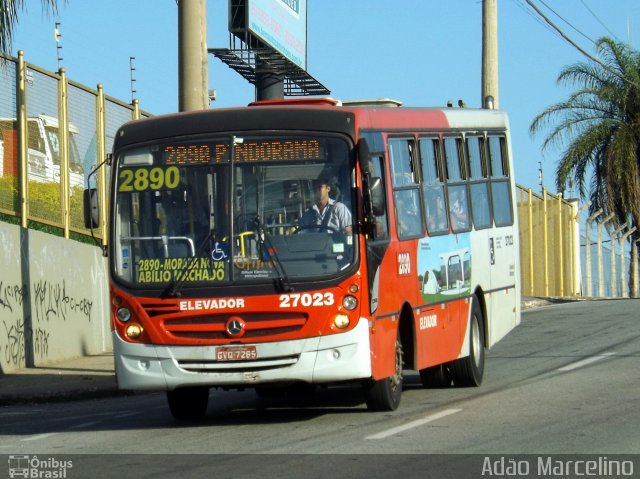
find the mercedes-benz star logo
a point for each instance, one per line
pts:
(235, 326)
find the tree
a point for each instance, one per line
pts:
(9, 18)
(600, 126)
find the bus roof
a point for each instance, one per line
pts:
(316, 114)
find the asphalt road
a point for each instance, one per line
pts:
(566, 381)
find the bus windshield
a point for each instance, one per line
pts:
(233, 210)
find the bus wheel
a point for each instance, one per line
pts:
(436, 376)
(468, 371)
(385, 394)
(188, 404)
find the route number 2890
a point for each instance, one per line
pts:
(306, 299)
(143, 179)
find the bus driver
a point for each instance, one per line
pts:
(326, 211)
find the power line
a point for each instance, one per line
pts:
(567, 22)
(563, 35)
(578, 47)
(522, 5)
(598, 19)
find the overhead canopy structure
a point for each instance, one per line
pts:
(258, 49)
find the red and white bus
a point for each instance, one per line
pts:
(217, 281)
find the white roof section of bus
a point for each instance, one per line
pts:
(382, 102)
(476, 118)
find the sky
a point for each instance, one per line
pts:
(421, 52)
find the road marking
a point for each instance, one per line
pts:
(126, 414)
(18, 413)
(412, 424)
(584, 362)
(39, 436)
(84, 424)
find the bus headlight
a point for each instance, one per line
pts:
(349, 302)
(341, 321)
(133, 331)
(123, 314)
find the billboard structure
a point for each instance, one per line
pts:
(268, 40)
(281, 24)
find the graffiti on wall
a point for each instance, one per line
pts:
(12, 298)
(52, 304)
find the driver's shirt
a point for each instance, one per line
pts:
(339, 216)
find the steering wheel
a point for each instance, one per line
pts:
(319, 228)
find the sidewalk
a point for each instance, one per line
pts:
(93, 376)
(82, 378)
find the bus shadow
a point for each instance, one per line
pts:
(106, 409)
(297, 404)
(287, 406)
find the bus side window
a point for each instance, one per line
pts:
(479, 182)
(456, 184)
(453, 155)
(402, 167)
(459, 208)
(408, 213)
(501, 199)
(406, 195)
(480, 206)
(433, 186)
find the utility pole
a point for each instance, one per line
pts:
(614, 271)
(57, 35)
(587, 233)
(540, 177)
(490, 54)
(132, 79)
(193, 75)
(623, 262)
(601, 292)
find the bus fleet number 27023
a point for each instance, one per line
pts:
(306, 299)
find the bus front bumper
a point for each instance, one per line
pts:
(318, 360)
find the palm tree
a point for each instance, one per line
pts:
(600, 126)
(9, 18)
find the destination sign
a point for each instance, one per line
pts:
(274, 150)
(296, 149)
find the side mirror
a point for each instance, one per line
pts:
(91, 209)
(374, 203)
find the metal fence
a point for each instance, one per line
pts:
(549, 244)
(559, 255)
(53, 133)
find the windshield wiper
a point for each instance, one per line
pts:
(282, 282)
(174, 287)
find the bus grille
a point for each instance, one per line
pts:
(212, 326)
(154, 309)
(212, 366)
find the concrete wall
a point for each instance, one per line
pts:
(54, 302)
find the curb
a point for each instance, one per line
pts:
(61, 392)
(532, 302)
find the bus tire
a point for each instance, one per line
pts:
(436, 376)
(385, 394)
(188, 404)
(468, 371)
